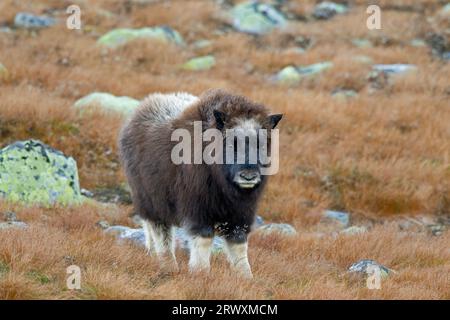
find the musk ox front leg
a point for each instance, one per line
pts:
(200, 252)
(238, 257)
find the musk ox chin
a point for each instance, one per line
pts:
(205, 199)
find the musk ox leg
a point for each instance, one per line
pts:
(200, 252)
(238, 258)
(149, 245)
(164, 244)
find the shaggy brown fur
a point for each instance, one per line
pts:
(197, 196)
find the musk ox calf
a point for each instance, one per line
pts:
(205, 199)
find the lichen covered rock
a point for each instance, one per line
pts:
(107, 102)
(199, 63)
(121, 36)
(34, 173)
(293, 74)
(256, 18)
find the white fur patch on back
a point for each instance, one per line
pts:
(165, 107)
(247, 124)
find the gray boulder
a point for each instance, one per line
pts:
(327, 9)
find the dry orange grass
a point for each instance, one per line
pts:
(382, 155)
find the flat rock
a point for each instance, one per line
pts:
(354, 230)
(200, 63)
(107, 102)
(30, 21)
(342, 218)
(118, 37)
(12, 225)
(327, 9)
(256, 18)
(34, 173)
(294, 74)
(398, 68)
(277, 228)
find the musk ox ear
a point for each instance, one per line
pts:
(273, 120)
(220, 119)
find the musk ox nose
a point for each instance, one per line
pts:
(248, 175)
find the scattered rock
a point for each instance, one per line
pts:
(362, 59)
(10, 216)
(259, 221)
(201, 44)
(118, 194)
(353, 230)
(394, 68)
(103, 224)
(118, 37)
(341, 218)
(30, 21)
(33, 172)
(418, 43)
(199, 63)
(13, 224)
(440, 46)
(292, 74)
(86, 193)
(327, 9)
(256, 18)
(362, 43)
(343, 94)
(437, 229)
(108, 103)
(4, 73)
(362, 267)
(125, 233)
(280, 228)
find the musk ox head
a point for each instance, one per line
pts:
(246, 129)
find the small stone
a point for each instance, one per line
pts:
(280, 228)
(343, 94)
(201, 44)
(107, 102)
(398, 68)
(86, 193)
(103, 224)
(31, 21)
(437, 229)
(118, 37)
(341, 218)
(259, 221)
(418, 43)
(13, 224)
(256, 18)
(364, 266)
(199, 63)
(10, 216)
(292, 74)
(353, 230)
(362, 43)
(327, 9)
